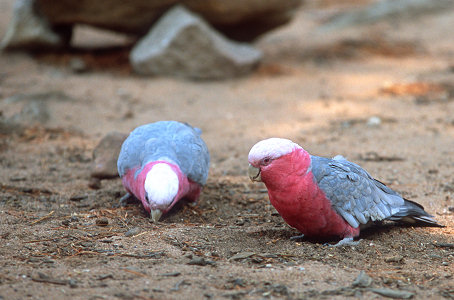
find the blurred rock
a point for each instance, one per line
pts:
(27, 110)
(78, 65)
(363, 280)
(238, 19)
(396, 294)
(105, 155)
(28, 29)
(182, 44)
(32, 113)
(386, 10)
(374, 121)
(94, 183)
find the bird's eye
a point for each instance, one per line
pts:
(266, 160)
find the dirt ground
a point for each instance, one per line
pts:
(381, 95)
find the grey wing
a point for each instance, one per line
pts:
(129, 156)
(145, 143)
(354, 194)
(192, 153)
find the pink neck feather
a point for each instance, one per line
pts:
(137, 188)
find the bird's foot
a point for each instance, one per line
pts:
(348, 241)
(124, 200)
(297, 237)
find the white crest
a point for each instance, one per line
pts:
(161, 185)
(271, 148)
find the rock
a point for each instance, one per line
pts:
(78, 65)
(182, 44)
(102, 222)
(395, 259)
(240, 19)
(32, 113)
(386, 10)
(363, 280)
(94, 183)
(132, 232)
(29, 29)
(242, 255)
(200, 261)
(374, 121)
(27, 110)
(105, 155)
(395, 294)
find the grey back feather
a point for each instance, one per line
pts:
(170, 141)
(354, 194)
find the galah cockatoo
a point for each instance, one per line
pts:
(323, 197)
(163, 162)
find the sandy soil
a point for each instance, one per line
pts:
(62, 239)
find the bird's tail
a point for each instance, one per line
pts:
(414, 213)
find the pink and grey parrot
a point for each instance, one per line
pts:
(163, 162)
(323, 197)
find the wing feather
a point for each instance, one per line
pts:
(354, 194)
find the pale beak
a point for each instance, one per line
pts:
(254, 173)
(155, 215)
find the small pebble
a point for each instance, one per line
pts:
(132, 232)
(94, 183)
(78, 198)
(200, 261)
(396, 294)
(363, 280)
(374, 121)
(78, 65)
(396, 259)
(102, 222)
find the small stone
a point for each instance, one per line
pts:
(132, 232)
(363, 280)
(105, 155)
(280, 289)
(78, 198)
(200, 261)
(396, 294)
(373, 122)
(102, 222)
(94, 183)
(65, 222)
(106, 276)
(171, 274)
(239, 222)
(72, 283)
(74, 219)
(18, 178)
(77, 65)
(242, 255)
(395, 259)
